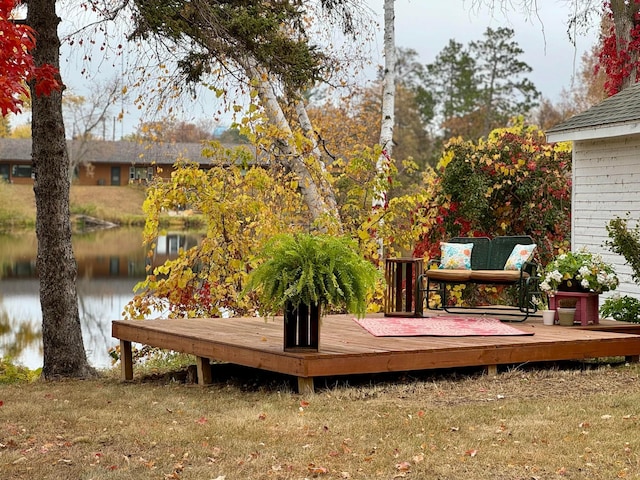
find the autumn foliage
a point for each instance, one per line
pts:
(512, 183)
(17, 65)
(619, 55)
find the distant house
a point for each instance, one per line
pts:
(103, 162)
(606, 173)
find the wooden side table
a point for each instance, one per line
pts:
(587, 306)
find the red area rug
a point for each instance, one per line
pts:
(442, 326)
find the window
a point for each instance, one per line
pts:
(21, 171)
(137, 174)
(4, 172)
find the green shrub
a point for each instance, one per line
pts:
(11, 373)
(622, 308)
(625, 241)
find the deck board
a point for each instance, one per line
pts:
(346, 348)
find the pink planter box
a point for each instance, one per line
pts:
(586, 307)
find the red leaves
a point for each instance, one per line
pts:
(620, 52)
(17, 64)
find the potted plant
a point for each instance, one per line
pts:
(302, 274)
(542, 304)
(581, 271)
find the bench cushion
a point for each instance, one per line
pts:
(488, 276)
(448, 275)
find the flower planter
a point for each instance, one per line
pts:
(301, 328)
(574, 286)
(566, 316)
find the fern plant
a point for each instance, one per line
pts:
(312, 270)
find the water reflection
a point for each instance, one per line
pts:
(110, 263)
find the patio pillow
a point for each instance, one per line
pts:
(455, 256)
(519, 255)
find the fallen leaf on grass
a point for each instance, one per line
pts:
(314, 470)
(471, 453)
(403, 466)
(202, 420)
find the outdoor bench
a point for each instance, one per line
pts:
(487, 263)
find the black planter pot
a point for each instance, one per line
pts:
(301, 328)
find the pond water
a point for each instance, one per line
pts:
(110, 264)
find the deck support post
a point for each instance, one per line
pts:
(305, 385)
(492, 370)
(203, 366)
(126, 360)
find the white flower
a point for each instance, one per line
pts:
(584, 283)
(584, 271)
(555, 275)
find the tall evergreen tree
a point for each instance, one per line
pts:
(504, 93)
(479, 87)
(453, 83)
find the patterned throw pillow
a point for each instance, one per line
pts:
(455, 256)
(519, 255)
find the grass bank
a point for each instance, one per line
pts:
(521, 424)
(122, 205)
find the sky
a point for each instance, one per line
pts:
(425, 26)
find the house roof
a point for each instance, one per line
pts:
(614, 116)
(100, 151)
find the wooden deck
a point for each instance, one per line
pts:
(346, 348)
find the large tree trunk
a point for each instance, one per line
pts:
(64, 354)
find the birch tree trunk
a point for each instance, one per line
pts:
(307, 128)
(388, 108)
(64, 354)
(321, 204)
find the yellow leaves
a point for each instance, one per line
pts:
(446, 159)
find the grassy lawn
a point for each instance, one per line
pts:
(119, 204)
(572, 423)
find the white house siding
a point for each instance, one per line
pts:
(606, 184)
